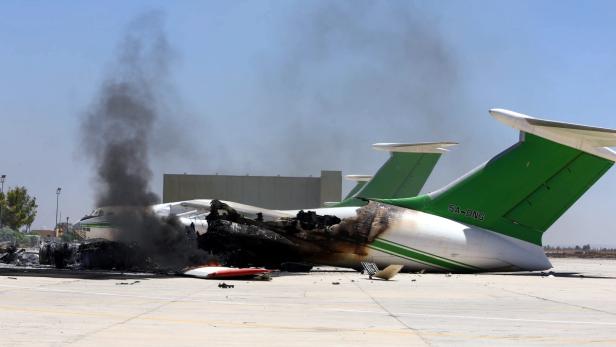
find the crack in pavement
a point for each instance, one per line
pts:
(392, 315)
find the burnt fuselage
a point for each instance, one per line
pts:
(379, 233)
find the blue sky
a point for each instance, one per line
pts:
(293, 87)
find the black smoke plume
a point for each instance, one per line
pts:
(118, 134)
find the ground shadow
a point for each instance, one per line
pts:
(275, 274)
(336, 270)
(78, 274)
(379, 279)
(16, 272)
(550, 273)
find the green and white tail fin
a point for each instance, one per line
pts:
(522, 191)
(403, 174)
(360, 182)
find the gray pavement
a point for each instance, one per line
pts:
(575, 306)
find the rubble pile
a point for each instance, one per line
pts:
(58, 254)
(11, 254)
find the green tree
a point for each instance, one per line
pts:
(18, 208)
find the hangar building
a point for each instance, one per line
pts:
(274, 192)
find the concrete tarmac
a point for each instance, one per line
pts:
(574, 306)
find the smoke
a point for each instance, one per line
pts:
(119, 133)
(348, 74)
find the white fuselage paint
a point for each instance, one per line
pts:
(444, 245)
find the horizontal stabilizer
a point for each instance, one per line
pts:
(424, 147)
(592, 140)
(403, 174)
(358, 178)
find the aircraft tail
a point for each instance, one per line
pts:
(403, 174)
(522, 191)
(360, 182)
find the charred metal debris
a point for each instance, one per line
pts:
(94, 254)
(290, 242)
(11, 254)
(287, 243)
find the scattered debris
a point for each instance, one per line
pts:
(295, 267)
(127, 283)
(223, 285)
(370, 268)
(547, 274)
(386, 274)
(217, 272)
(8, 252)
(11, 254)
(12, 278)
(335, 283)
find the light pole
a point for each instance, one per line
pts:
(57, 204)
(2, 178)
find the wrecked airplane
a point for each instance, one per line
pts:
(276, 239)
(491, 219)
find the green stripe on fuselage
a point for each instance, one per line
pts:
(421, 256)
(387, 251)
(455, 262)
(96, 225)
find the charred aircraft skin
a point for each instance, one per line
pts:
(306, 238)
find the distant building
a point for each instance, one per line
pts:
(43, 233)
(274, 192)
